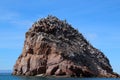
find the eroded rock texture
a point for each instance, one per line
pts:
(53, 47)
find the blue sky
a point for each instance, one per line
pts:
(98, 20)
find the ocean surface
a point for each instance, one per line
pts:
(8, 76)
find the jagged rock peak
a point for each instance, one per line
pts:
(53, 47)
(52, 25)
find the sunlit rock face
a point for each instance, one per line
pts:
(53, 47)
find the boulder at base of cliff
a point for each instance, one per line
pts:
(54, 48)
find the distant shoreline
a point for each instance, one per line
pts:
(5, 71)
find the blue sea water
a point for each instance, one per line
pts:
(8, 76)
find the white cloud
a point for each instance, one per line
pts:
(15, 19)
(91, 36)
(21, 23)
(8, 16)
(12, 35)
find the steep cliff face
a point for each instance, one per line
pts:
(53, 47)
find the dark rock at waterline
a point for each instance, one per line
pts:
(53, 47)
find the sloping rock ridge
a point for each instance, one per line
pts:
(54, 48)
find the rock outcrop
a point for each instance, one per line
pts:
(53, 47)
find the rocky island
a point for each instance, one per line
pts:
(54, 48)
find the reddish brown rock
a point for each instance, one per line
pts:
(53, 47)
